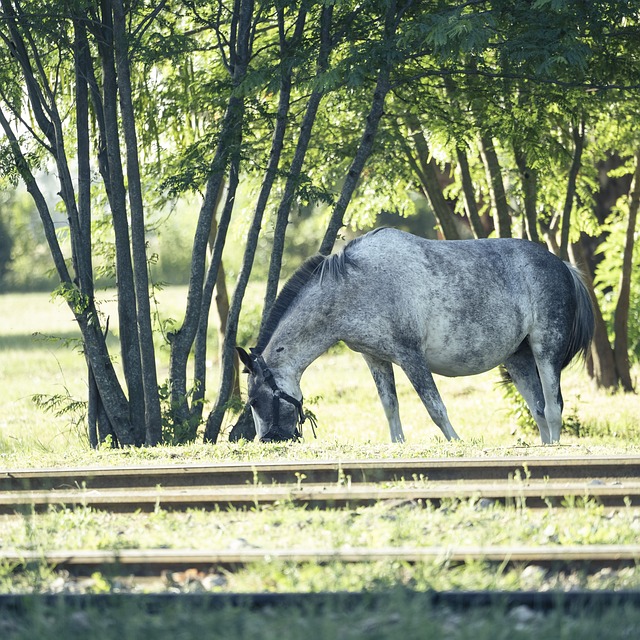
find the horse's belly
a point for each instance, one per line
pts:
(469, 353)
(454, 367)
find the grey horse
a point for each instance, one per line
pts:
(453, 308)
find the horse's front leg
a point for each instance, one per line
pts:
(382, 372)
(419, 373)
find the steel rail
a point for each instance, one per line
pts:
(147, 562)
(529, 494)
(324, 472)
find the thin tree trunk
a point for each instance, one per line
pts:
(222, 307)
(228, 146)
(244, 427)
(578, 139)
(153, 419)
(496, 186)
(550, 235)
(529, 179)
(213, 276)
(425, 168)
(82, 63)
(468, 191)
(127, 307)
(383, 86)
(363, 152)
(304, 137)
(621, 315)
(214, 421)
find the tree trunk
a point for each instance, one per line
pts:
(529, 179)
(82, 307)
(357, 165)
(496, 186)
(470, 204)
(621, 316)
(578, 139)
(214, 421)
(222, 304)
(95, 411)
(304, 137)
(244, 427)
(153, 418)
(213, 276)
(602, 365)
(228, 146)
(116, 191)
(81, 304)
(424, 167)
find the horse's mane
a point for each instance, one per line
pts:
(325, 267)
(289, 293)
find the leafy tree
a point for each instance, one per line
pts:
(498, 114)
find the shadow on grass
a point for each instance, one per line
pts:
(38, 341)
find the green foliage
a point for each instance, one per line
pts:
(175, 431)
(78, 302)
(517, 409)
(64, 405)
(24, 263)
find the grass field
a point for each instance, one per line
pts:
(37, 357)
(339, 390)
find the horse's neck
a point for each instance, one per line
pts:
(296, 343)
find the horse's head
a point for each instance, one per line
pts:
(276, 414)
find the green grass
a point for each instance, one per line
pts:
(399, 616)
(337, 387)
(284, 526)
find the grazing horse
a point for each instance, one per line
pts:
(454, 308)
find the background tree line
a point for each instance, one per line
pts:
(509, 118)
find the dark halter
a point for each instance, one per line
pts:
(275, 434)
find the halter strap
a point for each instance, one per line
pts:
(278, 395)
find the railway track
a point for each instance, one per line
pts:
(326, 472)
(527, 482)
(530, 494)
(153, 562)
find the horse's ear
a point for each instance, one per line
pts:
(246, 360)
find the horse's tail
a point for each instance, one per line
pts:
(583, 320)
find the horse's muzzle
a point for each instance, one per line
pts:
(278, 435)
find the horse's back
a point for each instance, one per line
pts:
(468, 304)
(469, 266)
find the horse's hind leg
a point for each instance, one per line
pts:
(418, 372)
(550, 379)
(382, 372)
(521, 367)
(549, 357)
